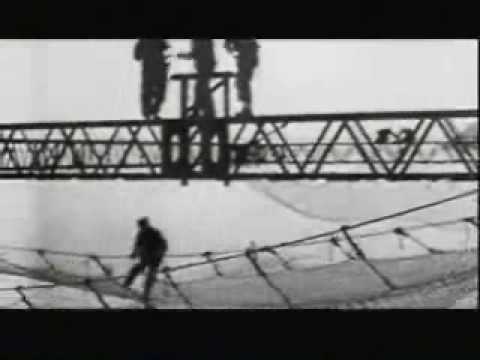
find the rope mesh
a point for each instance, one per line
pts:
(277, 272)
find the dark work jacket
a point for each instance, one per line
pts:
(150, 243)
(247, 50)
(204, 55)
(151, 52)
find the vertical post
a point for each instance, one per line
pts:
(225, 136)
(183, 158)
(227, 95)
(206, 150)
(180, 128)
(167, 147)
(184, 151)
(361, 255)
(179, 167)
(223, 164)
(184, 98)
(227, 154)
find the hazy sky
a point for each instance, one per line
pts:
(97, 79)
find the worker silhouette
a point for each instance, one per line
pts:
(152, 54)
(150, 247)
(384, 136)
(246, 52)
(203, 55)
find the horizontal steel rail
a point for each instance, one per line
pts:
(337, 146)
(294, 118)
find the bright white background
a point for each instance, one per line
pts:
(98, 80)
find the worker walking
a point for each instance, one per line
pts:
(246, 52)
(152, 54)
(150, 247)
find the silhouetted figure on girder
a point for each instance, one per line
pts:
(150, 247)
(203, 55)
(152, 54)
(246, 51)
(383, 136)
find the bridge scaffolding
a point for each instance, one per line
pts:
(328, 146)
(431, 145)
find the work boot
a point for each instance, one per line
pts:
(151, 117)
(245, 113)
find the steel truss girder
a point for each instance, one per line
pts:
(331, 147)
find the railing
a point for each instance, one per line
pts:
(283, 147)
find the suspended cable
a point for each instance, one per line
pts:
(251, 255)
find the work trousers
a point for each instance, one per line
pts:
(203, 98)
(151, 265)
(154, 88)
(246, 69)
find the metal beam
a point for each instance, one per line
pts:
(142, 150)
(294, 118)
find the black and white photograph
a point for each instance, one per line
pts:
(238, 174)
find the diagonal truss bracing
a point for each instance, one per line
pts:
(434, 145)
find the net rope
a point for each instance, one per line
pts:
(255, 267)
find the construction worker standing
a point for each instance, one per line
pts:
(150, 248)
(203, 55)
(152, 54)
(246, 51)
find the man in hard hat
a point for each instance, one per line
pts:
(246, 52)
(152, 54)
(150, 247)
